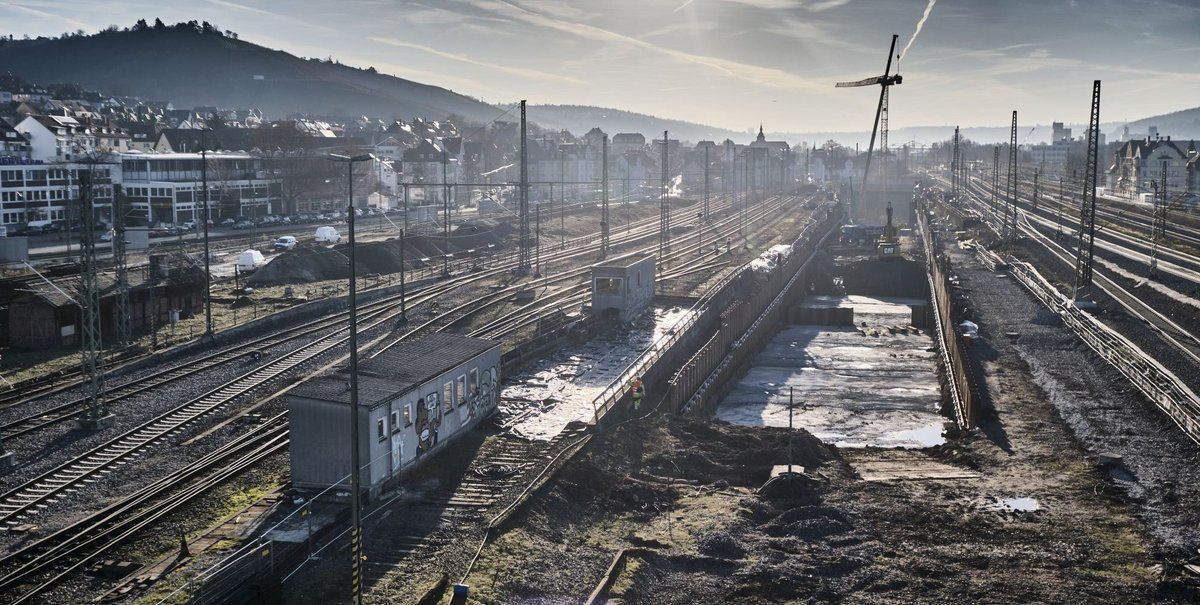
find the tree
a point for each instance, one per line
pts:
(158, 24)
(141, 25)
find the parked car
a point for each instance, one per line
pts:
(243, 224)
(189, 225)
(327, 235)
(40, 227)
(286, 242)
(229, 222)
(107, 236)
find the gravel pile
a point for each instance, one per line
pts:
(315, 263)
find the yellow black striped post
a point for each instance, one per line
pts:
(356, 566)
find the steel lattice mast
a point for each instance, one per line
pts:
(525, 260)
(1010, 206)
(96, 416)
(604, 221)
(664, 215)
(954, 166)
(1158, 230)
(1087, 210)
(124, 328)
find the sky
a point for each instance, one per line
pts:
(728, 63)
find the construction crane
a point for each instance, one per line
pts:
(885, 81)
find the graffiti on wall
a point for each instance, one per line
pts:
(429, 419)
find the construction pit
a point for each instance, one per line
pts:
(662, 508)
(670, 509)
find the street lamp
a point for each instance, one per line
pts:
(355, 470)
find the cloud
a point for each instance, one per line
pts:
(267, 13)
(532, 74)
(33, 11)
(761, 76)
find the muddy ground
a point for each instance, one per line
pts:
(681, 493)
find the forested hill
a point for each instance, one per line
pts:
(190, 65)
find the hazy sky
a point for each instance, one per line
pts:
(728, 63)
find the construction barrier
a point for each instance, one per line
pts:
(953, 365)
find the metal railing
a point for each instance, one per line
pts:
(1155, 381)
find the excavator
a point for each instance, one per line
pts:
(889, 242)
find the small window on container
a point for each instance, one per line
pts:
(408, 412)
(448, 396)
(461, 387)
(473, 381)
(395, 421)
(381, 428)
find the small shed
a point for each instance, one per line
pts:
(624, 284)
(413, 400)
(45, 315)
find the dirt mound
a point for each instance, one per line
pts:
(711, 451)
(313, 263)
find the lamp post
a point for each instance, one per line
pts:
(355, 470)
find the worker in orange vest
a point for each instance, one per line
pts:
(638, 392)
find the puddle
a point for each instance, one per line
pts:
(849, 390)
(1021, 505)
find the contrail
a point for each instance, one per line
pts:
(683, 5)
(920, 24)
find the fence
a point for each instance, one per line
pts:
(1157, 383)
(954, 368)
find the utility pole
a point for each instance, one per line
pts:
(1035, 189)
(664, 216)
(524, 262)
(1060, 205)
(445, 213)
(704, 215)
(1159, 226)
(355, 461)
(97, 415)
(604, 221)
(537, 267)
(124, 329)
(995, 177)
(208, 322)
(1010, 208)
(403, 315)
(1087, 211)
(954, 167)
(562, 196)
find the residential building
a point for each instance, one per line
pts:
(1138, 166)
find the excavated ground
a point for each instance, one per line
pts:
(1031, 517)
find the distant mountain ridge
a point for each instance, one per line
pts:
(580, 118)
(192, 68)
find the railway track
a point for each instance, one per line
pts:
(66, 411)
(40, 492)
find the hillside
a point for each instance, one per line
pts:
(190, 68)
(1183, 124)
(581, 118)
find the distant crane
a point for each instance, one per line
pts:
(881, 112)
